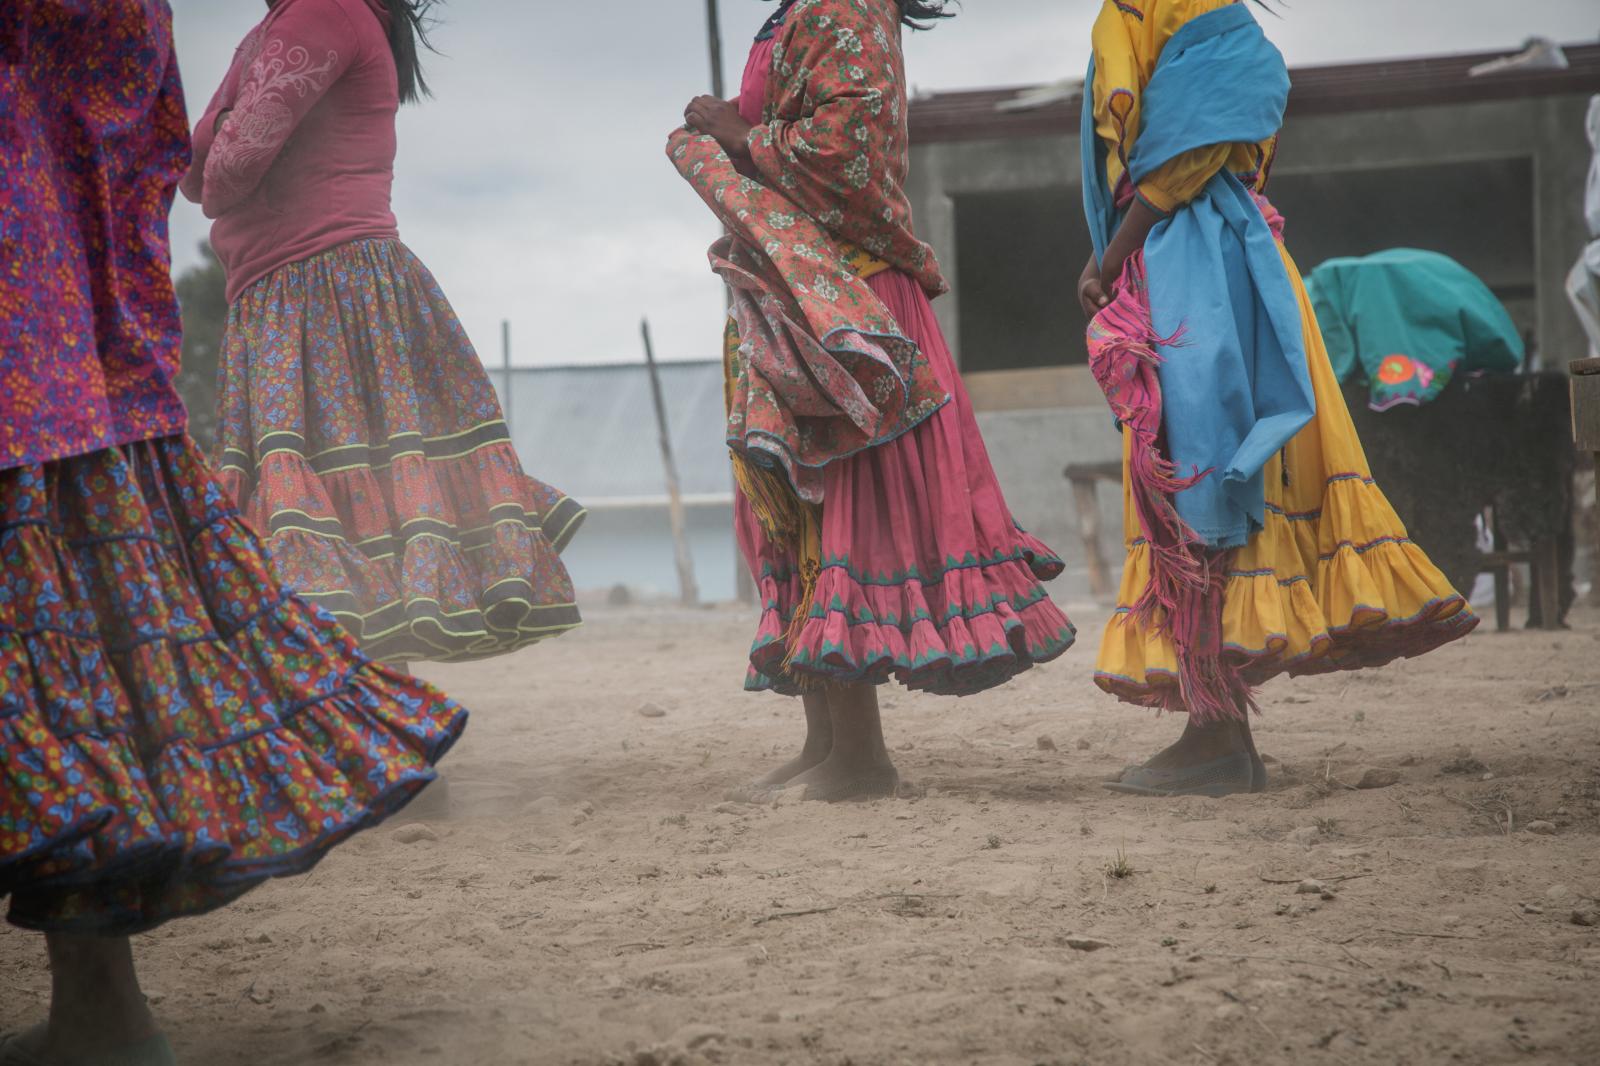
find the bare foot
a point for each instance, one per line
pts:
(38, 1047)
(762, 788)
(806, 760)
(837, 779)
(819, 743)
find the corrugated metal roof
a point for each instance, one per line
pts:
(591, 430)
(1321, 90)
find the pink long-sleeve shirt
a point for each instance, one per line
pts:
(302, 159)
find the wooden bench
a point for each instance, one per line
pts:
(1543, 563)
(1085, 478)
(1497, 445)
(1544, 569)
(1586, 417)
(1440, 473)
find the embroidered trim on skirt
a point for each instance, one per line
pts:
(926, 578)
(361, 435)
(175, 727)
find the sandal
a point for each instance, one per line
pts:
(1231, 775)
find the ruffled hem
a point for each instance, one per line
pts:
(1371, 598)
(473, 572)
(174, 728)
(197, 826)
(971, 626)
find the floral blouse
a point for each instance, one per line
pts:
(93, 140)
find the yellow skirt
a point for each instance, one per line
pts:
(1332, 582)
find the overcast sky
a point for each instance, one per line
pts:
(535, 187)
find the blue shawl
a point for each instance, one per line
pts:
(1235, 385)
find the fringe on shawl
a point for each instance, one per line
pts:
(785, 518)
(1184, 596)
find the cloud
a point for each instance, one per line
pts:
(535, 186)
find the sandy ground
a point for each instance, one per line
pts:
(589, 898)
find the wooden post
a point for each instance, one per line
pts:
(689, 592)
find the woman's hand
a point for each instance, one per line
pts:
(1091, 293)
(720, 119)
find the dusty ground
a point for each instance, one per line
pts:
(590, 898)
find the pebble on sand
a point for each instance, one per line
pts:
(1541, 827)
(1085, 943)
(1463, 763)
(1310, 887)
(415, 833)
(1306, 834)
(651, 710)
(543, 805)
(1046, 743)
(693, 1036)
(1378, 777)
(1586, 916)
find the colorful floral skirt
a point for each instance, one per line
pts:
(361, 436)
(174, 727)
(1331, 583)
(926, 578)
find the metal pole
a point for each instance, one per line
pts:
(505, 364)
(714, 30)
(689, 592)
(744, 584)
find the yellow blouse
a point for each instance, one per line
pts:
(1128, 38)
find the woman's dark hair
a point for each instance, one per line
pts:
(409, 23)
(913, 12)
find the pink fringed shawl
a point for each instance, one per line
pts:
(1184, 595)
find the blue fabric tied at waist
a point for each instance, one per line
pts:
(1235, 386)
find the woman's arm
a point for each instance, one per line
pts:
(302, 55)
(205, 130)
(1140, 219)
(1161, 193)
(851, 138)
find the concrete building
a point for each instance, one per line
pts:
(1416, 153)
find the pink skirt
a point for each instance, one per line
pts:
(926, 577)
